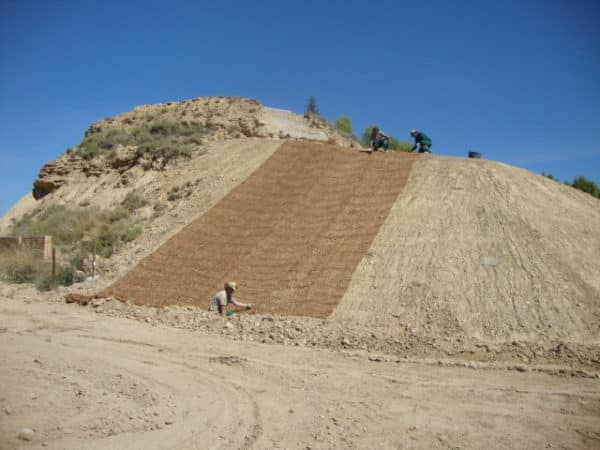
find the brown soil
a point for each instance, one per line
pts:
(291, 234)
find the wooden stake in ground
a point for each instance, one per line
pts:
(93, 259)
(53, 268)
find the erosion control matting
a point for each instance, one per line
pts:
(290, 235)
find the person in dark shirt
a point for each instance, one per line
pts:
(379, 140)
(422, 142)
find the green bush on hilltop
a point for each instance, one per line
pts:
(581, 183)
(400, 146)
(344, 124)
(585, 185)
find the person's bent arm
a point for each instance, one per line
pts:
(242, 305)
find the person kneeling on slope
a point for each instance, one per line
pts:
(379, 140)
(422, 142)
(225, 297)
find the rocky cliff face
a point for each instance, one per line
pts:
(153, 136)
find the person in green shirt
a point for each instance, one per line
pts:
(422, 142)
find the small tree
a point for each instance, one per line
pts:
(311, 107)
(343, 123)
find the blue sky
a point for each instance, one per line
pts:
(518, 81)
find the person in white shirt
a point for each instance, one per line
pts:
(225, 297)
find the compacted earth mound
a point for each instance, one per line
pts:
(484, 252)
(291, 234)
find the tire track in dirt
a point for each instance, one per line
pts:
(291, 234)
(137, 392)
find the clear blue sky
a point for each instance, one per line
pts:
(518, 81)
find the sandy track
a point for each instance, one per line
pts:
(82, 380)
(291, 234)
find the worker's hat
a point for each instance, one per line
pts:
(231, 285)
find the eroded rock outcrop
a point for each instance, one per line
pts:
(151, 136)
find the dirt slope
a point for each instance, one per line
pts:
(470, 250)
(291, 234)
(486, 250)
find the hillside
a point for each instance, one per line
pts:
(464, 257)
(291, 234)
(150, 149)
(469, 252)
(485, 249)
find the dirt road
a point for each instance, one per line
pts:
(78, 379)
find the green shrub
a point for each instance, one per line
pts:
(344, 124)
(581, 183)
(132, 233)
(165, 128)
(65, 276)
(400, 146)
(105, 237)
(133, 200)
(156, 139)
(116, 214)
(66, 226)
(89, 150)
(585, 185)
(77, 258)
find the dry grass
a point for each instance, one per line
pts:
(25, 266)
(77, 230)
